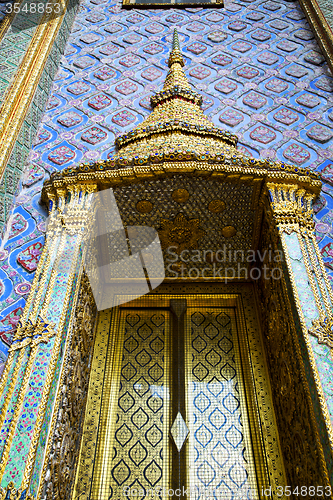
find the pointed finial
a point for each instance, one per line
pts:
(176, 113)
(175, 43)
(175, 55)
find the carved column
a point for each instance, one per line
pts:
(30, 380)
(292, 211)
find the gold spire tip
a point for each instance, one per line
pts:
(175, 54)
(175, 43)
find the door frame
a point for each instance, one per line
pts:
(264, 435)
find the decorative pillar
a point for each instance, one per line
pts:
(30, 380)
(313, 294)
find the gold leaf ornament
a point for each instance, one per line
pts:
(229, 231)
(322, 328)
(216, 206)
(181, 233)
(180, 195)
(144, 206)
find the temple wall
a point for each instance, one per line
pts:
(262, 76)
(29, 58)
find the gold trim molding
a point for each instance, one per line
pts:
(20, 94)
(241, 297)
(320, 27)
(60, 185)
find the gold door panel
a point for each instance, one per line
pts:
(220, 451)
(172, 404)
(134, 452)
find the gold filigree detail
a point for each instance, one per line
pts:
(29, 333)
(10, 493)
(322, 328)
(93, 412)
(216, 206)
(302, 444)
(239, 169)
(291, 207)
(180, 233)
(66, 428)
(292, 211)
(144, 206)
(73, 274)
(180, 195)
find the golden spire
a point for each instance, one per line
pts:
(176, 76)
(177, 138)
(177, 122)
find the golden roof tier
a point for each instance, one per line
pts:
(177, 138)
(177, 124)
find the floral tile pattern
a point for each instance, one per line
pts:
(276, 85)
(126, 88)
(151, 74)
(200, 72)
(123, 118)
(70, 119)
(268, 58)
(231, 117)
(104, 73)
(217, 36)
(296, 153)
(99, 101)
(94, 135)
(308, 100)
(320, 133)
(226, 86)
(222, 60)
(263, 134)
(61, 155)
(29, 257)
(286, 116)
(248, 72)
(254, 100)
(296, 70)
(78, 88)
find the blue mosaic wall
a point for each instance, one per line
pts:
(14, 44)
(13, 47)
(256, 63)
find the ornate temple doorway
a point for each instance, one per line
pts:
(178, 390)
(170, 395)
(179, 386)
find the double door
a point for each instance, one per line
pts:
(179, 416)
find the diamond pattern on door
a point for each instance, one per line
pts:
(218, 465)
(138, 434)
(152, 425)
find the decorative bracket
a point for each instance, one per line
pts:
(291, 207)
(322, 328)
(10, 493)
(32, 334)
